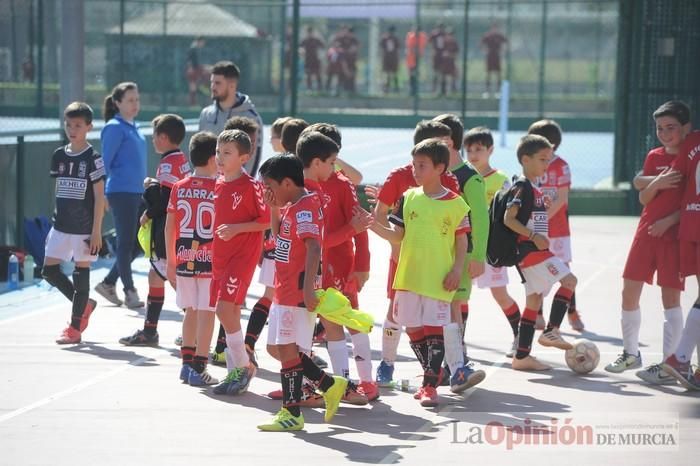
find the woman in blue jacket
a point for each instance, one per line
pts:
(124, 155)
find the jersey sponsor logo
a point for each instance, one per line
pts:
(552, 269)
(308, 228)
(61, 168)
(82, 169)
(693, 152)
(165, 168)
(304, 216)
(697, 179)
(693, 207)
(237, 199)
(193, 255)
(282, 250)
(185, 167)
(71, 188)
(99, 163)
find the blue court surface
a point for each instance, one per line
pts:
(103, 403)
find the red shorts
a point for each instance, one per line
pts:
(336, 275)
(649, 256)
(232, 287)
(690, 258)
(390, 291)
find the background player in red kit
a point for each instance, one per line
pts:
(311, 46)
(655, 247)
(398, 182)
(168, 134)
(688, 163)
(297, 277)
(189, 231)
(240, 219)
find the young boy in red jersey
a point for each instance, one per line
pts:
(189, 231)
(655, 248)
(555, 184)
(76, 233)
(431, 223)
(540, 268)
(297, 277)
(345, 268)
(399, 181)
(240, 219)
(688, 164)
(168, 134)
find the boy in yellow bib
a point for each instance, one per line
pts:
(431, 224)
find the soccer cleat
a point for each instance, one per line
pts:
(108, 292)
(140, 338)
(333, 395)
(428, 396)
(513, 348)
(229, 386)
(385, 374)
(655, 375)
(283, 421)
(575, 322)
(625, 362)
(275, 394)
(199, 380)
(178, 340)
(247, 375)
(318, 360)
(131, 299)
(540, 324)
(353, 396)
(69, 336)
(681, 371)
(554, 338)
(89, 307)
(694, 381)
(185, 373)
(309, 397)
(218, 359)
(465, 377)
(370, 389)
(529, 363)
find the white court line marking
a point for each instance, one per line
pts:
(394, 457)
(70, 391)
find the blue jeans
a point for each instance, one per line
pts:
(125, 210)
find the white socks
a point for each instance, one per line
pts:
(391, 335)
(673, 328)
(690, 336)
(454, 357)
(236, 356)
(631, 322)
(363, 356)
(338, 352)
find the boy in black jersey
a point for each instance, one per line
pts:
(77, 222)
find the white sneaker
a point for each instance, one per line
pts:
(131, 299)
(554, 338)
(655, 375)
(624, 362)
(108, 292)
(513, 348)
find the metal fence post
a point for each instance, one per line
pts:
(282, 76)
(294, 65)
(122, 18)
(465, 57)
(543, 50)
(40, 59)
(19, 212)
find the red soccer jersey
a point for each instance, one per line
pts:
(172, 168)
(192, 203)
(688, 162)
(401, 180)
(340, 199)
(557, 176)
(238, 201)
(666, 202)
(537, 223)
(301, 220)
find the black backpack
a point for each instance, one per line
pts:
(503, 249)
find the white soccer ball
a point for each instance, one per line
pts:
(583, 357)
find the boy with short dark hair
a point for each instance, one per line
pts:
(297, 277)
(276, 134)
(478, 143)
(240, 219)
(555, 184)
(76, 233)
(188, 238)
(290, 134)
(168, 134)
(540, 268)
(399, 181)
(430, 223)
(655, 248)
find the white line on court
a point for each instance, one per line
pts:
(70, 391)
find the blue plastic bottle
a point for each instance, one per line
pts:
(13, 273)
